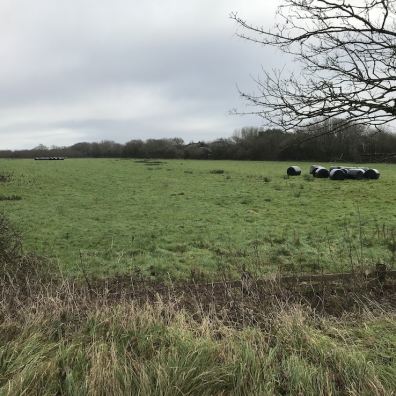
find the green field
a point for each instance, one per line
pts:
(179, 218)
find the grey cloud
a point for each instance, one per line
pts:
(81, 75)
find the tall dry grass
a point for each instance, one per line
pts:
(52, 347)
(61, 337)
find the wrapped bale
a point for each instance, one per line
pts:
(337, 174)
(372, 174)
(294, 171)
(344, 170)
(313, 168)
(322, 173)
(355, 173)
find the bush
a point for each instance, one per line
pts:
(19, 273)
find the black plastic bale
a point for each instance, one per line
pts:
(293, 171)
(322, 173)
(49, 158)
(355, 173)
(372, 174)
(334, 167)
(337, 174)
(313, 168)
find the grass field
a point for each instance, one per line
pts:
(187, 218)
(179, 219)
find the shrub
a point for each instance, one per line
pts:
(20, 273)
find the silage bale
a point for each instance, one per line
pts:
(372, 174)
(293, 171)
(337, 174)
(322, 173)
(313, 168)
(334, 167)
(355, 173)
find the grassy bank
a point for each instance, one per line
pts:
(55, 348)
(208, 218)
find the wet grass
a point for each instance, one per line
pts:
(175, 218)
(55, 348)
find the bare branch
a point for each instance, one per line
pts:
(347, 53)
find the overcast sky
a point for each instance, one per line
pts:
(88, 70)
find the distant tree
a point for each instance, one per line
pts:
(133, 149)
(164, 148)
(41, 147)
(82, 149)
(6, 153)
(354, 143)
(197, 150)
(347, 53)
(223, 149)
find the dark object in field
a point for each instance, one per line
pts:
(345, 170)
(313, 168)
(321, 173)
(10, 197)
(149, 162)
(49, 158)
(355, 173)
(294, 171)
(372, 174)
(335, 167)
(217, 171)
(337, 174)
(4, 178)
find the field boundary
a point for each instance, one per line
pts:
(236, 303)
(373, 279)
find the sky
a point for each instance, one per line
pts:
(91, 70)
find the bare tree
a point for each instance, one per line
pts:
(347, 53)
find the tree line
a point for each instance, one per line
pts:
(325, 143)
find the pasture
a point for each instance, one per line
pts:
(203, 219)
(206, 220)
